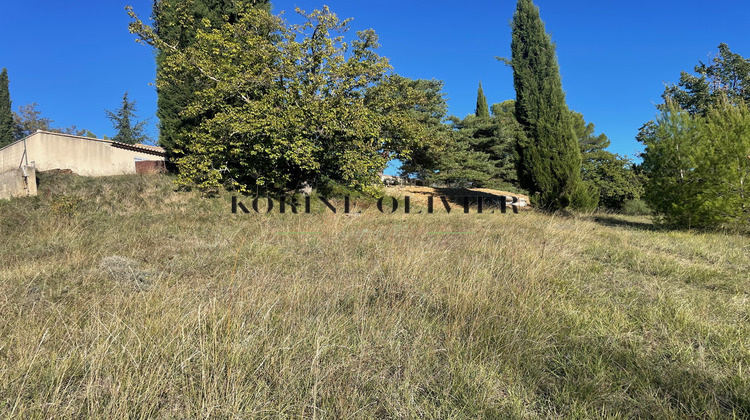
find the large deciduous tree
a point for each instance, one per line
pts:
(6, 111)
(176, 22)
(28, 120)
(727, 76)
(281, 105)
(421, 104)
(550, 159)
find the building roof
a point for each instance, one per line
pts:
(144, 148)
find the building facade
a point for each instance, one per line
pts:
(85, 156)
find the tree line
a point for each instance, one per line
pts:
(697, 158)
(254, 103)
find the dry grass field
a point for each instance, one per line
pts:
(120, 298)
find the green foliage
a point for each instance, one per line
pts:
(66, 206)
(177, 23)
(549, 156)
(728, 76)
(699, 166)
(474, 151)
(281, 110)
(612, 176)
(585, 197)
(459, 165)
(6, 112)
(28, 120)
(482, 110)
(495, 138)
(125, 121)
(416, 109)
(329, 188)
(697, 150)
(507, 108)
(636, 207)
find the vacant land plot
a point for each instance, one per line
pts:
(122, 298)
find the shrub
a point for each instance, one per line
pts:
(636, 207)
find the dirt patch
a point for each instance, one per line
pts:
(419, 194)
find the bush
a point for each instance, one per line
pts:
(636, 208)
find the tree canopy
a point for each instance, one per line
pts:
(177, 22)
(698, 166)
(282, 105)
(612, 175)
(726, 77)
(697, 157)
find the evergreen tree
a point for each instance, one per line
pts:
(6, 113)
(494, 137)
(460, 166)
(175, 96)
(697, 158)
(613, 176)
(550, 158)
(698, 166)
(482, 110)
(124, 120)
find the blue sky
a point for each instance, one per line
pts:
(76, 59)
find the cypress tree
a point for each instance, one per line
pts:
(173, 98)
(482, 110)
(6, 113)
(550, 159)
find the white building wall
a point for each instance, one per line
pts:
(83, 156)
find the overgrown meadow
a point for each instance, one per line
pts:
(122, 298)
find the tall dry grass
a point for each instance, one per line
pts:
(121, 298)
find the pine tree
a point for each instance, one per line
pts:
(6, 113)
(483, 110)
(698, 165)
(550, 159)
(124, 121)
(175, 97)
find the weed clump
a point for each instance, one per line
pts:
(126, 272)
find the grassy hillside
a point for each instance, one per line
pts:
(122, 298)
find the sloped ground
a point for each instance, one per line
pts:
(419, 195)
(122, 298)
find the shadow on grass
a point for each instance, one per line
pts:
(456, 196)
(613, 220)
(652, 384)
